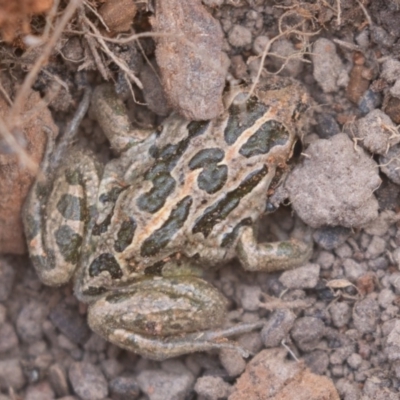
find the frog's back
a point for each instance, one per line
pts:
(207, 179)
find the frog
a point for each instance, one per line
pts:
(135, 233)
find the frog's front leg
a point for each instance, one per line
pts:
(58, 213)
(276, 256)
(165, 317)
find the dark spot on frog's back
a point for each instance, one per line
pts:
(214, 176)
(105, 262)
(242, 117)
(230, 237)
(125, 234)
(271, 133)
(162, 236)
(71, 207)
(69, 243)
(223, 207)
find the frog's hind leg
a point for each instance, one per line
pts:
(276, 256)
(60, 206)
(160, 318)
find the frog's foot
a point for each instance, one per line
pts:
(165, 317)
(274, 256)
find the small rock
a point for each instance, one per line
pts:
(391, 108)
(11, 375)
(285, 49)
(331, 237)
(40, 391)
(305, 277)
(232, 361)
(376, 131)
(251, 341)
(239, 36)
(395, 281)
(348, 390)
(390, 164)
(111, 368)
(334, 185)
(376, 247)
(7, 275)
(250, 297)
(70, 323)
(365, 315)
(386, 298)
(328, 67)
(58, 380)
(8, 338)
(325, 259)
(369, 101)
(269, 375)
(307, 332)
(124, 388)
(326, 125)
(29, 321)
(354, 361)
(87, 381)
(260, 44)
(353, 270)
(390, 70)
(162, 385)
(277, 327)
(317, 361)
(212, 388)
(340, 313)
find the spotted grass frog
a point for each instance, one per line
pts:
(135, 233)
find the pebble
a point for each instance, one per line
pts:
(277, 327)
(305, 277)
(232, 361)
(340, 313)
(307, 332)
(40, 391)
(365, 315)
(390, 70)
(317, 361)
(331, 237)
(329, 70)
(124, 388)
(285, 48)
(70, 323)
(326, 125)
(386, 298)
(369, 101)
(161, 385)
(239, 36)
(376, 132)
(395, 281)
(259, 44)
(353, 270)
(250, 297)
(29, 321)
(212, 388)
(111, 368)
(354, 361)
(7, 275)
(325, 259)
(376, 247)
(88, 381)
(11, 375)
(58, 380)
(8, 338)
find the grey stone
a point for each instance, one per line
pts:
(162, 385)
(87, 381)
(212, 387)
(239, 36)
(8, 338)
(340, 313)
(29, 321)
(305, 277)
(307, 332)
(124, 388)
(232, 361)
(11, 375)
(366, 314)
(277, 327)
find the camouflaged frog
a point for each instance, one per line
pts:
(133, 234)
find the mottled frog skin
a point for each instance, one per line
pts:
(134, 234)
